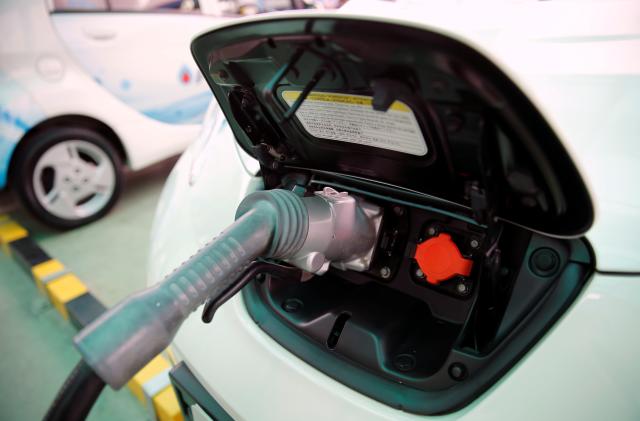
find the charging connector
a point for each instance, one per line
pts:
(309, 232)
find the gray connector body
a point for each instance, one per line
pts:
(272, 223)
(342, 233)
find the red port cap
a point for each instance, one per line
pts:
(439, 259)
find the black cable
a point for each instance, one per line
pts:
(76, 396)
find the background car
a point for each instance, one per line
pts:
(262, 359)
(88, 88)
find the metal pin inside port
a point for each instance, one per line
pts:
(462, 288)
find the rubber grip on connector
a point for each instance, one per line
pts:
(125, 338)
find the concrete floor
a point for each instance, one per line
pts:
(110, 256)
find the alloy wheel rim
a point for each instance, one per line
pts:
(74, 179)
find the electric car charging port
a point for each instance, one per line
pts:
(445, 338)
(434, 137)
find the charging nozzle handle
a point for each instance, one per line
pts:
(119, 343)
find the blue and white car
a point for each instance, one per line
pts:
(89, 87)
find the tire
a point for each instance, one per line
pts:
(67, 176)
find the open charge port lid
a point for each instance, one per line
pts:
(394, 104)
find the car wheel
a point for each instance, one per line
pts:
(68, 177)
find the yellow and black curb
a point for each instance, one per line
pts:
(75, 303)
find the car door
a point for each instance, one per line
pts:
(138, 50)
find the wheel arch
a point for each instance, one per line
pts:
(70, 120)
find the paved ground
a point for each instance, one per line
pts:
(110, 256)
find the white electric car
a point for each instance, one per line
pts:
(89, 86)
(501, 144)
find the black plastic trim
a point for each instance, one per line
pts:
(191, 392)
(488, 368)
(617, 273)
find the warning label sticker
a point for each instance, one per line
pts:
(351, 118)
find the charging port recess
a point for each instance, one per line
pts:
(446, 305)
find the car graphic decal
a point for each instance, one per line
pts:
(182, 106)
(18, 113)
(185, 75)
(189, 110)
